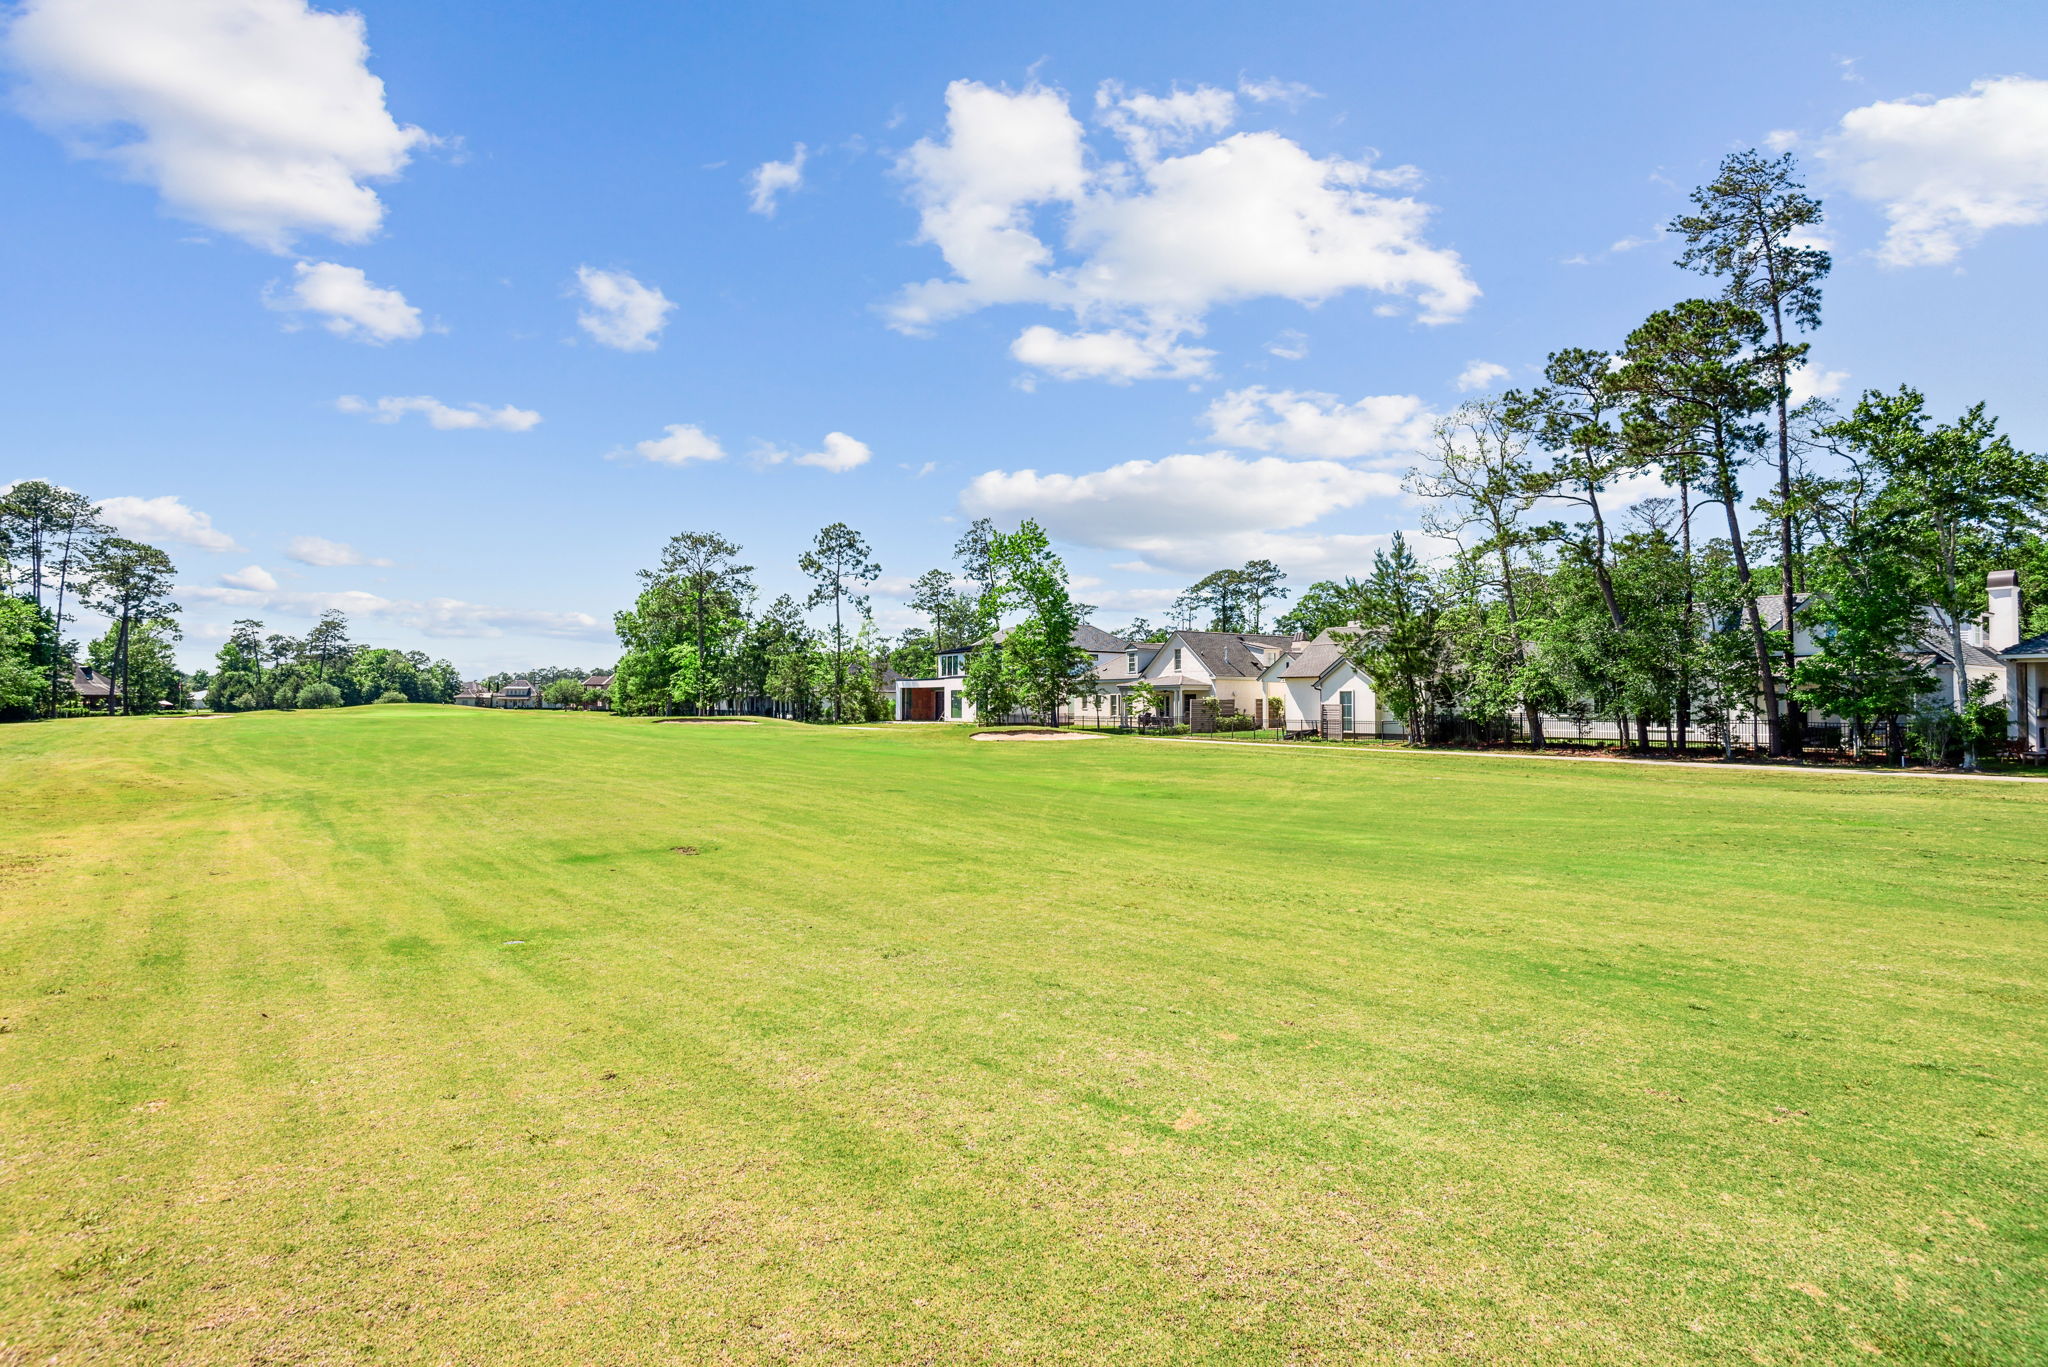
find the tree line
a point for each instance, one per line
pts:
(257, 669)
(58, 554)
(1874, 528)
(695, 637)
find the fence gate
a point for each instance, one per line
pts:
(1333, 721)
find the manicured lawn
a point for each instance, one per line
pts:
(404, 1034)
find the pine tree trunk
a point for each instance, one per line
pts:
(1961, 678)
(1795, 716)
(118, 675)
(57, 628)
(1767, 684)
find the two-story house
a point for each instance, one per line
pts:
(1223, 665)
(1312, 675)
(1113, 664)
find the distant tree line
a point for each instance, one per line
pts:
(695, 638)
(256, 670)
(1670, 614)
(57, 554)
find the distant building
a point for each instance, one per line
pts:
(518, 693)
(93, 688)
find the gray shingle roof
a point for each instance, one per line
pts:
(86, 683)
(1229, 654)
(1089, 638)
(2032, 647)
(1313, 661)
(1934, 635)
(1097, 640)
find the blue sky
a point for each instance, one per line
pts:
(238, 270)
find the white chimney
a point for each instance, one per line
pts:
(2002, 623)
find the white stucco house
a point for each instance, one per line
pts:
(1313, 675)
(1282, 680)
(1114, 664)
(2024, 689)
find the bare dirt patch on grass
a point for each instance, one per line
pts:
(1035, 735)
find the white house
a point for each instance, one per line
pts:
(1114, 664)
(1223, 665)
(1314, 674)
(2025, 686)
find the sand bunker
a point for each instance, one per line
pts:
(1036, 735)
(705, 721)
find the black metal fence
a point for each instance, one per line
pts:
(1224, 722)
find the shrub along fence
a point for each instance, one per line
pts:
(1223, 721)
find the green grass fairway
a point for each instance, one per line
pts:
(405, 1034)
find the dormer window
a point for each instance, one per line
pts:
(1131, 662)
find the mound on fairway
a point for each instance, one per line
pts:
(408, 1034)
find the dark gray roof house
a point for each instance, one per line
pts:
(1097, 641)
(1234, 654)
(90, 684)
(1935, 644)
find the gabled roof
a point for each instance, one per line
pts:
(1095, 639)
(2033, 648)
(1313, 661)
(598, 681)
(86, 683)
(1089, 638)
(1229, 654)
(515, 685)
(1934, 639)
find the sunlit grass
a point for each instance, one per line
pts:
(408, 1034)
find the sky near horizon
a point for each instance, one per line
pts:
(448, 315)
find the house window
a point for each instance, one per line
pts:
(954, 697)
(1131, 662)
(1344, 703)
(949, 666)
(1176, 659)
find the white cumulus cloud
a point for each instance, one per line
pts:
(348, 304)
(680, 443)
(1148, 123)
(1191, 511)
(621, 312)
(440, 416)
(771, 179)
(437, 617)
(1114, 355)
(165, 519)
(1811, 382)
(250, 577)
(318, 550)
(256, 117)
(1481, 375)
(1305, 423)
(839, 454)
(1151, 244)
(1945, 172)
